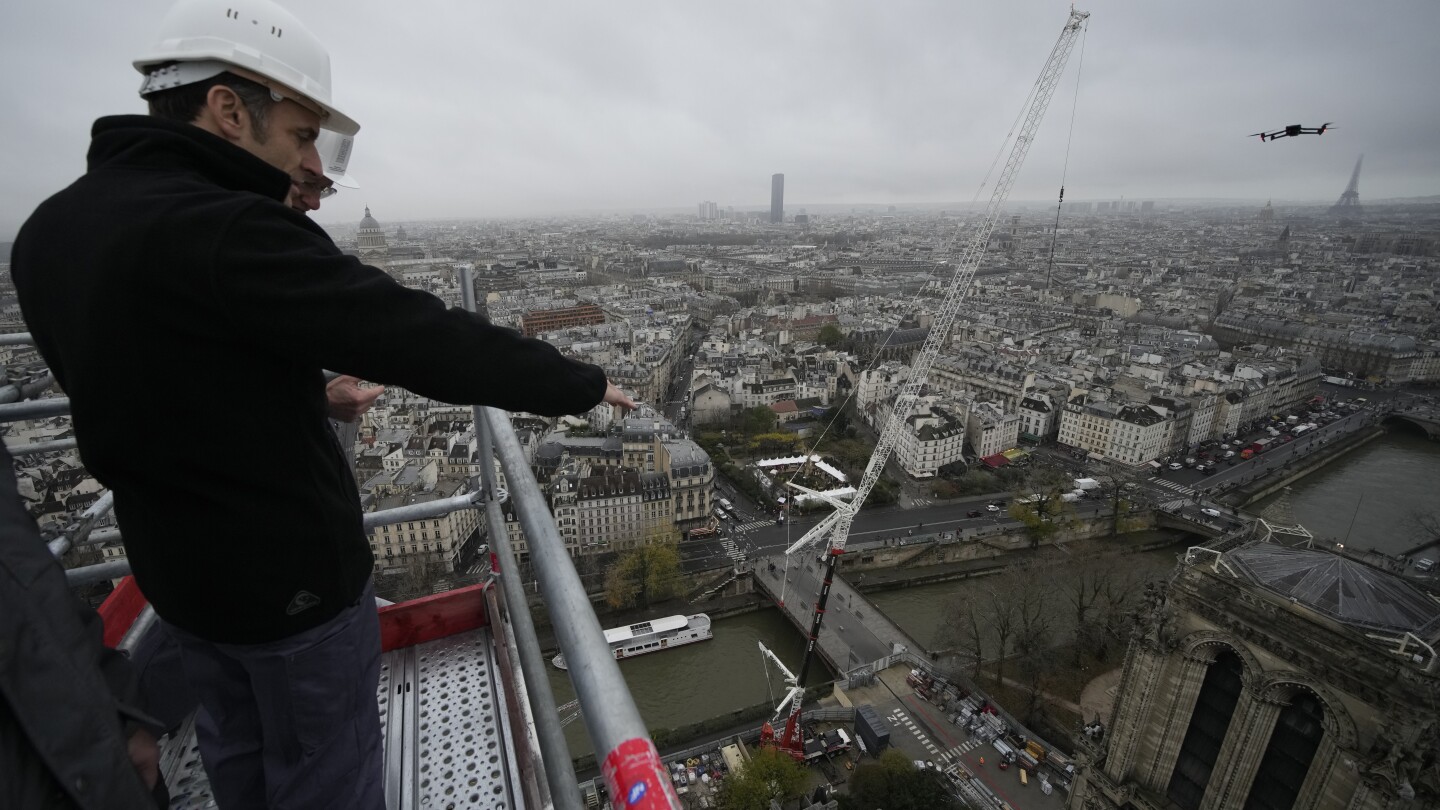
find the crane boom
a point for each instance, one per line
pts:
(968, 262)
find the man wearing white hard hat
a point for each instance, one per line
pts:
(175, 265)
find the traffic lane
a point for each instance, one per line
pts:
(1222, 522)
(918, 518)
(780, 537)
(1227, 472)
(799, 589)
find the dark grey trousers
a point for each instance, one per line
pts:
(292, 723)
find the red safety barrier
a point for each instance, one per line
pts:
(432, 617)
(119, 610)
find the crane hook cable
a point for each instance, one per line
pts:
(1065, 169)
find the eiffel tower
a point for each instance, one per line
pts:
(1348, 206)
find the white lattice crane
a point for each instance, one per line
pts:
(789, 740)
(836, 525)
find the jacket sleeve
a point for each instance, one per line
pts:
(282, 280)
(72, 698)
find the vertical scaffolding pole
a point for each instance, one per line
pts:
(559, 770)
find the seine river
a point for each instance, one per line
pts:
(698, 681)
(1369, 498)
(1380, 486)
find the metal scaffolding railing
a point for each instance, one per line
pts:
(632, 765)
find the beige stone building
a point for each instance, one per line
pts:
(1273, 678)
(435, 540)
(607, 510)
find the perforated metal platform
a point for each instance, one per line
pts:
(442, 711)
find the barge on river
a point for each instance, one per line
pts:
(652, 636)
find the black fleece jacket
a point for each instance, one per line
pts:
(189, 313)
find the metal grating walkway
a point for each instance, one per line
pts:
(441, 712)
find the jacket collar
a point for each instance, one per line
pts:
(142, 141)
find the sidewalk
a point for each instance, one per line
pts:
(1097, 699)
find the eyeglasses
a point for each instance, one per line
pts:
(321, 186)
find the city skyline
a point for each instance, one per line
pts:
(461, 118)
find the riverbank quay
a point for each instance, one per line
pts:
(1286, 475)
(882, 576)
(869, 569)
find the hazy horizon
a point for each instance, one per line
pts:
(480, 111)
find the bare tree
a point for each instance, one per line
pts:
(1119, 597)
(1000, 613)
(1082, 592)
(1033, 597)
(964, 627)
(1424, 525)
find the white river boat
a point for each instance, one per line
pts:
(652, 636)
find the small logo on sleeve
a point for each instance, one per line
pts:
(302, 600)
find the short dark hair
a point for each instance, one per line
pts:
(184, 103)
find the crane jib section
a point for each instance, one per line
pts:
(967, 262)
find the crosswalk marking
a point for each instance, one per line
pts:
(754, 524)
(956, 752)
(900, 718)
(1178, 487)
(732, 550)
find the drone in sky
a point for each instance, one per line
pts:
(1293, 129)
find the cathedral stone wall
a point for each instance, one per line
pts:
(1381, 732)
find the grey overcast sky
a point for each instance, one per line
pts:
(491, 109)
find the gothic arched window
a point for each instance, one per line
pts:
(1287, 758)
(1214, 707)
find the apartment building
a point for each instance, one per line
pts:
(990, 429)
(930, 440)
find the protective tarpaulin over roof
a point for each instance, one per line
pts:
(1344, 590)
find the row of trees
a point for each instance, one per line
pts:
(1015, 620)
(893, 783)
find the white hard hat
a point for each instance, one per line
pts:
(335, 151)
(208, 37)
